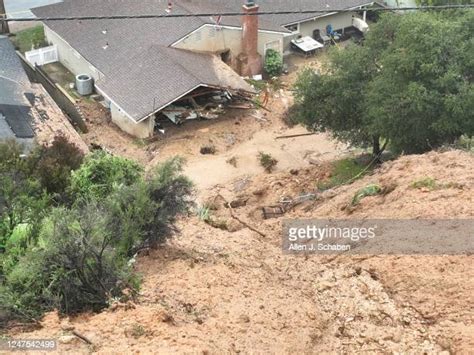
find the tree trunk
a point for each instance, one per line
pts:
(377, 150)
(376, 146)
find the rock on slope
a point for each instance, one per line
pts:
(212, 291)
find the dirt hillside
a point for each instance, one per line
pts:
(233, 291)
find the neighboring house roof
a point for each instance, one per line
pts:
(155, 78)
(118, 48)
(271, 22)
(15, 109)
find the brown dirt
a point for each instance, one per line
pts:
(227, 291)
(49, 121)
(215, 291)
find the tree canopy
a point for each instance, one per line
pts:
(410, 84)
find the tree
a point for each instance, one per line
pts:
(410, 84)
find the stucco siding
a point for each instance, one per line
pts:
(216, 40)
(337, 21)
(69, 57)
(143, 129)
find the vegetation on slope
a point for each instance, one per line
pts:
(70, 226)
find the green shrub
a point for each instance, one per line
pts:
(428, 183)
(273, 63)
(79, 257)
(143, 214)
(77, 267)
(21, 197)
(370, 190)
(267, 161)
(56, 163)
(101, 173)
(172, 192)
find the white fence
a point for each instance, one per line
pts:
(42, 56)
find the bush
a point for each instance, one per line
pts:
(21, 197)
(267, 161)
(101, 173)
(369, 190)
(172, 192)
(79, 257)
(427, 183)
(273, 63)
(208, 150)
(75, 268)
(56, 163)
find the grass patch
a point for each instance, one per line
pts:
(428, 183)
(431, 184)
(30, 38)
(344, 171)
(369, 190)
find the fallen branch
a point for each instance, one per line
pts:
(297, 135)
(232, 214)
(82, 337)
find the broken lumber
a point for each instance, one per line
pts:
(297, 135)
(232, 214)
(82, 337)
(242, 107)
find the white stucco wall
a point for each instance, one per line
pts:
(216, 40)
(143, 129)
(337, 21)
(69, 57)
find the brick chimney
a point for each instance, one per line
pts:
(250, 60)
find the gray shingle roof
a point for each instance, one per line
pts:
(155, 78)
(15, 108)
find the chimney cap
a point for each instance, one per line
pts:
(250, 3)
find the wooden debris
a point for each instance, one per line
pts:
(82, 337)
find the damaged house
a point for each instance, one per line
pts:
(142, 66)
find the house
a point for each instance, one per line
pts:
(141, 66)
(15, 92)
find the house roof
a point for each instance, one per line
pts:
(155, 78)
(271, 22)
(15, 109)
(119, 48)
